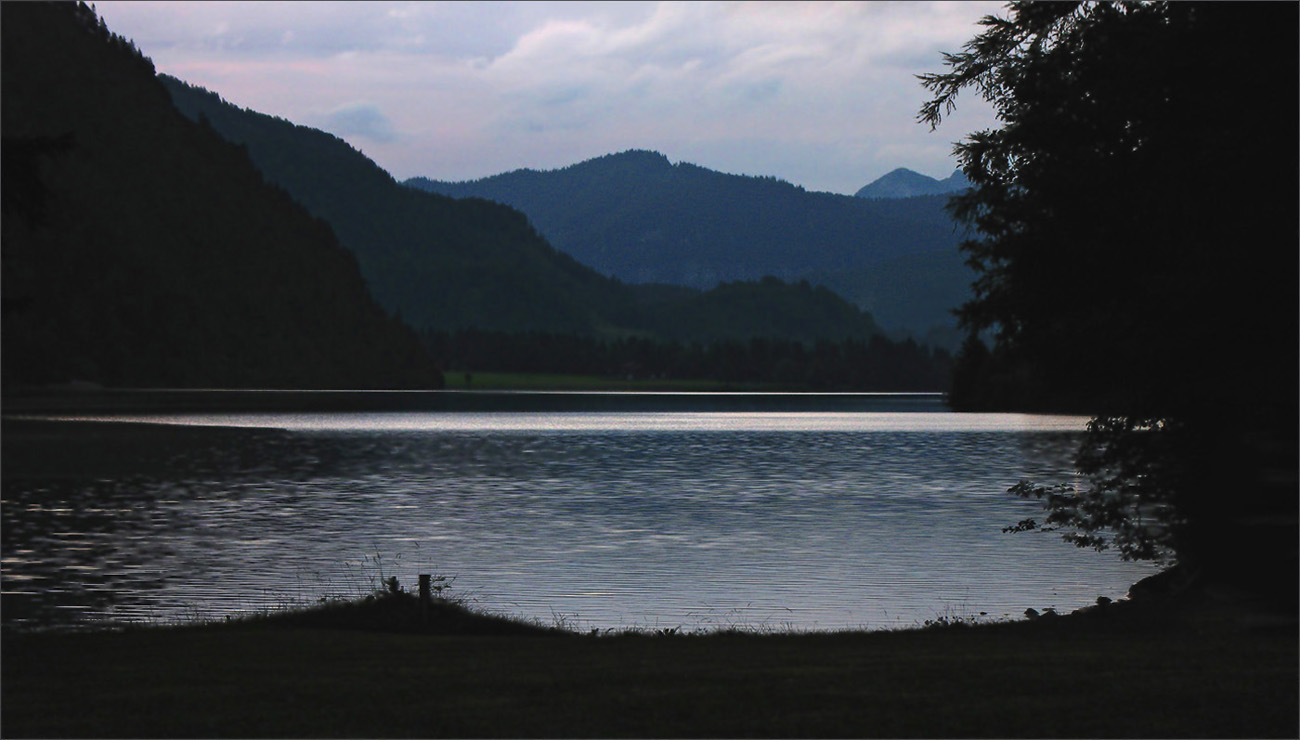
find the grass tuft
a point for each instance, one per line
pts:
(392, 611)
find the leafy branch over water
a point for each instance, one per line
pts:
(1110, 273)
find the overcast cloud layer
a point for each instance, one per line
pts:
(823, 95)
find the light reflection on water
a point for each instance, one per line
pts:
(616, 421)
(811, 520)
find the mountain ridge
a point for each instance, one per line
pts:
(425, 257)
(905, 183)
(640, 218)
(448, 264)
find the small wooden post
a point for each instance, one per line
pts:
(426, 595)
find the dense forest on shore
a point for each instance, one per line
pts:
(877, 363)
(142, 249)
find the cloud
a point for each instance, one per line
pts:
(359, 119)
(820, 93)
(807, 92)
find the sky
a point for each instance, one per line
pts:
(820, 94)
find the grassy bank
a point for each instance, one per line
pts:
(1156, 673)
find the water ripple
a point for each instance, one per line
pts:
(812, 521)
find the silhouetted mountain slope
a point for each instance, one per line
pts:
(141, 249)
(449, 264)
(913, 290)
(640, 218)
(441, 263)
(904, 183)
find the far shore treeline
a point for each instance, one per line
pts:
(156, 236)
(877, 363)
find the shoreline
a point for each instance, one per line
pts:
(1168, 670)
(1169, 595)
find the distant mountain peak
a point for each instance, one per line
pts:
(636, 216)
(904, 183)
(641, 155)
(644, 160)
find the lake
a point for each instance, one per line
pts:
(592, 510)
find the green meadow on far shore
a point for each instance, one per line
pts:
(1186, 666)
(542, 382)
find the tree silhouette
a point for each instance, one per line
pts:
(1135, 247)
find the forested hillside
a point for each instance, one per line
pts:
(788, 311)
(141, 249)
(450, 264)
(639, 217)
(441, 263)
(476, 268)
(917, 292)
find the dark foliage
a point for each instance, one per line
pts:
(768, 308)
(141, 249)
(638, 217)
(1136, 219)
(875, 364)
(766, 331)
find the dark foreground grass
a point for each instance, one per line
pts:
(1099, 676)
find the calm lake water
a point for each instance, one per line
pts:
(595, 510)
